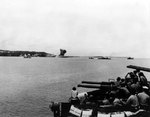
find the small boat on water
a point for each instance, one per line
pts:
(101, 57)
(130, 58)
(93, 104)
(91, 57)
(105, 58)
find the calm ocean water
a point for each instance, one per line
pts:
(28, 85)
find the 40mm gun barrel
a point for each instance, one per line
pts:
(100, 83)
(139, 68)
(104, 87)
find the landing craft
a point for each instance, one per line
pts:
(100, 57)
(130, 58)
(91, 104)
(105, 58)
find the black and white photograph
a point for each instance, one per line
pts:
(74, 58)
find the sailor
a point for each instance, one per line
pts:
(132, 101)
(128, 85)
(144, 98)
(122, 81)
(54, 106)
(117, 100)
(112, 96)
(74, 92)
(136, 85)
(106, 101)
(129, 77)
(143, 79)
(123, 91)
(118, 82)
(135, 72)
(83, 97)
(132, 82)
(74, 95)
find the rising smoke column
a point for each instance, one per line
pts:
(62, 52)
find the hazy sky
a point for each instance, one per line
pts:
(82, 27)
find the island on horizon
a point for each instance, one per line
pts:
(22, 53)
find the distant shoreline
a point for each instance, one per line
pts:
(8, 53)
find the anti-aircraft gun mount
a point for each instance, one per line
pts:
(102, 87)
(66, 109)
(111, 83)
